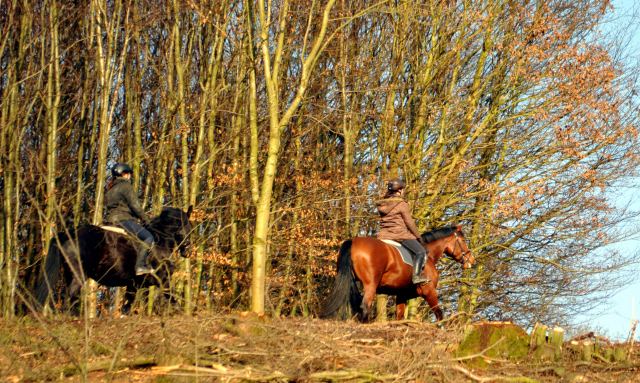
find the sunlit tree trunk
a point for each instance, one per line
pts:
(162, 164)
(9, 158)
(82, 158)
(51, 122)
(109, 66)
(350, 134)
(287, 280)
(183, 130)
(262, 189)
(237, 122)
(53, 102)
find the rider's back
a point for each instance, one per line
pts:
(395, 217)
(122, 203)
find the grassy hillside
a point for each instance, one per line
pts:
(247, 347)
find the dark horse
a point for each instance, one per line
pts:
(380, 268)
(109, 257)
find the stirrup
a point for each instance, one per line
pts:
(419, 279)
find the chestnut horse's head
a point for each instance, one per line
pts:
(451, 241)
(460, 251)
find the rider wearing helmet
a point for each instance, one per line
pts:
(397, 224)
(122, 206)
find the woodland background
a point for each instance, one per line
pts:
(281, 121)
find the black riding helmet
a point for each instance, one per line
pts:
(119, 169)
(395, 184)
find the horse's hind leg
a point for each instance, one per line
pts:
(369, 294)
(74, 287)
(73, 292)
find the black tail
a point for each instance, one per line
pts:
(344, 290)
(51, 272)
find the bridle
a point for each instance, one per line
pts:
(184, 243)
(465, 254)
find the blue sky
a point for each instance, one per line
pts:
(625, 306)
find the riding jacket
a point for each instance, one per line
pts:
(396, 222)
(122, 203)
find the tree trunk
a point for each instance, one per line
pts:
(262, 189)
(381, 307)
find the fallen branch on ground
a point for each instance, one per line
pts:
(106, 365)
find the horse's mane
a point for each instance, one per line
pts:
(434, 235)
(169, 216)
(171, 212)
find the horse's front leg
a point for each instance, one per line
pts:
(169, 294)
(130, 294)
(163, 284)
(428, 292)
(163, 281)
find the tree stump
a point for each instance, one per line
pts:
(497, 340)
(381, 307)
(538, 336)
(556, 341)
(587, 351)
(620, 354)
(151, 298)
(608, 354)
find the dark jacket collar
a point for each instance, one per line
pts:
(121, 180)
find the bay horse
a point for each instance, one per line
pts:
(381, 270)
(109, 257)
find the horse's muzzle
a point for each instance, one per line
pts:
(467, 260)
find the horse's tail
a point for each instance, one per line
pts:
(50, 275)
(344, 290)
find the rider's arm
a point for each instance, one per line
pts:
(134, 204)
(408, 219)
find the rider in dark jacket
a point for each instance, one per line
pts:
(397, 224)
(122, 206)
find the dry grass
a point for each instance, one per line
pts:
(239, 347)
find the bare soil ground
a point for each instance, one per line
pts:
(247, 347)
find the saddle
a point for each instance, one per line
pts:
(132, 238)
(405, 254)
(114, 229)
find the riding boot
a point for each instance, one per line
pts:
(418, 264)
(141, 261)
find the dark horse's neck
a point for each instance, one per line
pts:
(166, 225)
(162, 239)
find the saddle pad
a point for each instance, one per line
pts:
(114, 229)
(405, 254)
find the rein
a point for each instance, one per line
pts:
(465, 254)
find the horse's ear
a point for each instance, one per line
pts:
(459, 227)
(189, 211)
